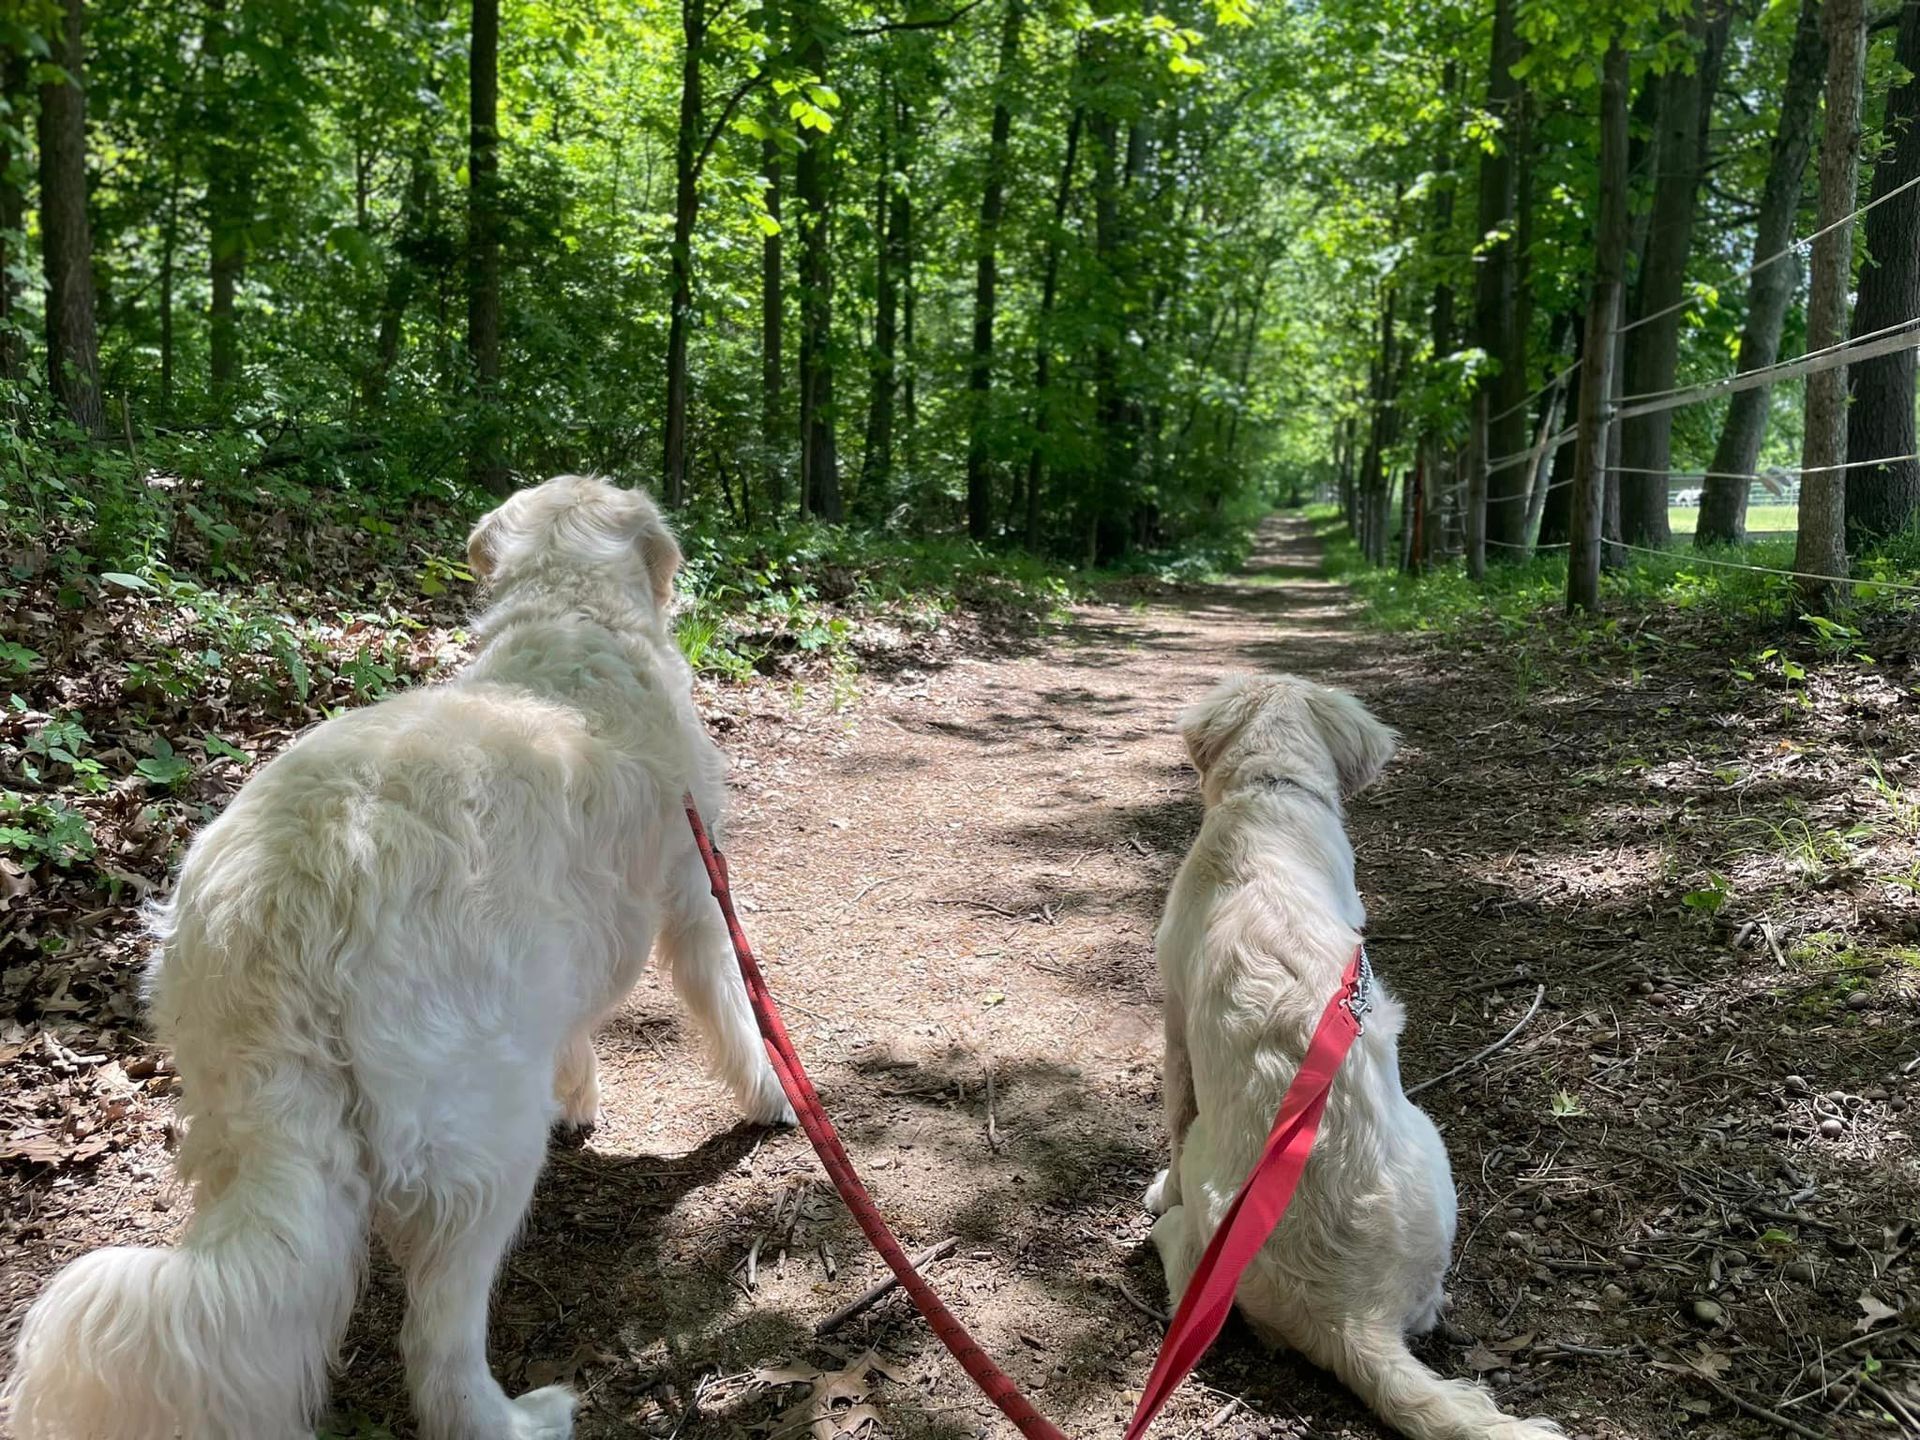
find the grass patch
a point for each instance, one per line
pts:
(1761, 519)
(1534, 591)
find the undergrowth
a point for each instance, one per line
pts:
(153, 624)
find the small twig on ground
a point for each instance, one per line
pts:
(881, 1288)
(1766, 929)
(753, 1261)
(1893, 1403)
(1539, 995)
(993, 1133)
(1754, 1407)
(980, 905)
(1516, 976)
(1126, 1294)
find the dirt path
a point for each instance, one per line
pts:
(953, 886)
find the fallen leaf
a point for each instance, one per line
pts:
(1480, 1360)
(1873, 1311)
(1710, 1363)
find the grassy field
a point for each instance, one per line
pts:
(1760, 518)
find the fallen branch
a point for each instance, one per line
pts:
(1754, 1408)
(880, 1289)
(1539, 995)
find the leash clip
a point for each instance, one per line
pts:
(1359, 1000)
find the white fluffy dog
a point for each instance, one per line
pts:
(1261, 923)
(381, 973)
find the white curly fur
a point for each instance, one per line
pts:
(1260, 925)
(380, 973)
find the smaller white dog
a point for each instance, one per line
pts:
(1260, 926)
(381, 973)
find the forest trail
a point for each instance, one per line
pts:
(959, 876)
(953, 884)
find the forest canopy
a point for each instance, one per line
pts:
(1081, 278)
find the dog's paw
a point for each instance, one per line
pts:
(1535, 1428)
(765, 1103)
(547, 1414)
(1156, 1200)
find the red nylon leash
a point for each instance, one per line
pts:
(1262, 1200)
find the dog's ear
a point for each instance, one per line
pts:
(483, 545)
(1360, 745)
(660, 553)
(1210, 723)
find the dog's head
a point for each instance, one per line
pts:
(1289, 726)
(577, 523)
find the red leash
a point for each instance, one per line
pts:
(1262, 1200)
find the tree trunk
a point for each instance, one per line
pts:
(772, 320)
(66, 233)
(1043, 339)
(1556, 509)
(402, 280)
(1883, 499)
(686, 210)
(819, 456)
(992, 205)
(1611, 239)
(228, 195)
(1541, 463)
(1653, 338)
(1495, 314)
(1723, 505)
(169, 254)
(1821, 548)
(485, 466)
(14, 78)
(876, 467)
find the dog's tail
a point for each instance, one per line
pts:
(1378, 1367)
(227, 1337)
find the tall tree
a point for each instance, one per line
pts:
(813, 196)
(1496, 295)
(1882, 499)
(889, 261)
(772, 323)
(686, 211)
(1723, 506)
(1652, 333)
(229, 185)
(13, 100)
(486, 467)
(1610, 244)
(987, 237)
(1043, 328)
(66, 231)
(1820, 548)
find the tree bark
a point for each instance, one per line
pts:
(1821, 548)
(485, 466)
(1882, 500)
(228, 211)
(1653, 339)
(1611, 239)
(686, 211)
(819, 456)
(772, 321)
(1723, 503)
(66, 233)
(14, 76)
(1043, 338)
(992, 205)
(402, 280)
(1496, 289)
(876, 466)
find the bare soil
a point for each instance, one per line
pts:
(953, 884)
